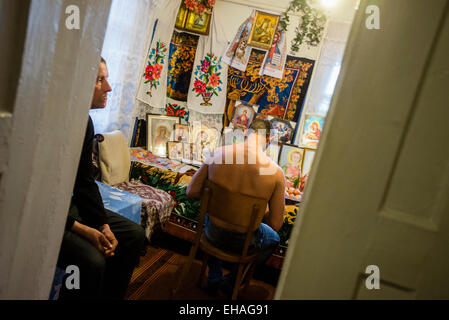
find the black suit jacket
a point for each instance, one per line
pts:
(86, 196)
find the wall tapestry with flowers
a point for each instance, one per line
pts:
(207, 91)
(153, 84)
(283, 98)
(182, 55)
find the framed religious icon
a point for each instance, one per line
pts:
(263, 29)
(198, 22)
(309, 155)
(181, 17)
(196, 155)
(159, 132)
(243, 115)
(194, 22)
(311, 130)
(181, 133)
(187, 152)
(174, 150)
(290, 160)
(281, 130)
(205, 139)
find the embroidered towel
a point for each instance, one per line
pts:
(153, 84)
(207, 91)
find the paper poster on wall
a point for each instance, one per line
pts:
(237, 53)
(276, 56)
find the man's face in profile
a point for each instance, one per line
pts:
(102, 88)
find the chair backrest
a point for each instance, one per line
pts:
(114, 158)
(232, 210)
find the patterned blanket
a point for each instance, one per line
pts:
(157, 205)
(173, 183)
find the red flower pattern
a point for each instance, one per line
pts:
(214, 80)
(200, 86)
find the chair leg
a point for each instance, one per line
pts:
(238, 279)
(249, 276)
(185, 269)
(203, 269)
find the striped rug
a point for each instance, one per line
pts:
(159, 269)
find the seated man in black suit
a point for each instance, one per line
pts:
(102, 244)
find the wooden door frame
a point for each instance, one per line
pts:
(43, 141)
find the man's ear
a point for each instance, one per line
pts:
(268, 141)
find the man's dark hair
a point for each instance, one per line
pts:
(260, 124)
(102, 60)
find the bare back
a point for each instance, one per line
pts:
(254, 175)
(244, 178)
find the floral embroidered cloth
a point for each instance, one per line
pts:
(153, 85)
(157, 204)
(207, 91)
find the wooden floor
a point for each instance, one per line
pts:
(159, 269)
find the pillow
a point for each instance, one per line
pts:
(115, 160)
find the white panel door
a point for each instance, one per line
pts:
(379, 188)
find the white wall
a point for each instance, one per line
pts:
(231, 14)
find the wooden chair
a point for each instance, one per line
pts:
(234, 212)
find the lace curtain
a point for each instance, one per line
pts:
(123, 48)
(327, 70)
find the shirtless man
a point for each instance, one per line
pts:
(257, 175)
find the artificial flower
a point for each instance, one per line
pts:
(201, 8)
(190, 4)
